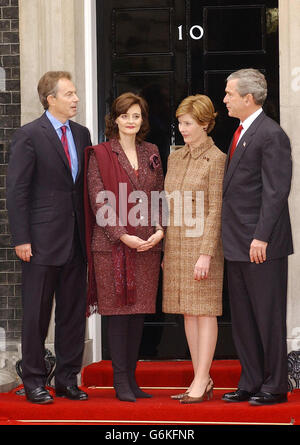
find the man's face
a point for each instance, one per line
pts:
(236, 104)
(63, 105)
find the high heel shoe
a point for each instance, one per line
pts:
(208, 394)
(179, 396)
(184, 394)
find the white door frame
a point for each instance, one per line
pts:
(91, 113)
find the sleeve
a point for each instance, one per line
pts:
(112, 229)
(212, 225)
(19, 177)
(89, 142)
(276, 173)
(159, 187)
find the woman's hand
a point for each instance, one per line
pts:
(202, 267)
(152, 241)
(132, 241)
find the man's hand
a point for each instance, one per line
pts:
(258, 251)
(23, 251)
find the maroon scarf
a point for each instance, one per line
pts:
(112, 174)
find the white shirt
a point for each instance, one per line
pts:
(247, 122)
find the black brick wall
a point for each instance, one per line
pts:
(10, 111)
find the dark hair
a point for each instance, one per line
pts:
(48, 85)
(120, 106)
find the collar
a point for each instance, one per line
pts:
(55, 122)
(195, 152)
(250, 119)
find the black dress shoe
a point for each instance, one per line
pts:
(237, 396)
(39, 395)
(71, 392)
(266, 398)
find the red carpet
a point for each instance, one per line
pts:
(162, 379)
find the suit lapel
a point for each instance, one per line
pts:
(143, 160)
(243, 145)
(54, 140)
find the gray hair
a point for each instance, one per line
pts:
(251, 81)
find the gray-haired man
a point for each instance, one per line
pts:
(257, 240)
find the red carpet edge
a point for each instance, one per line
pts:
(161, 379)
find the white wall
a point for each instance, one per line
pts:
(289, 47)
(61, 35)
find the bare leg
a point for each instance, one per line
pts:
(202, 348)
(191, 332)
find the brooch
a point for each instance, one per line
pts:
(154, 161)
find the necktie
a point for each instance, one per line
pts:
(64, 141)
(234, 140)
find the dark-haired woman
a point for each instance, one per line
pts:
(124, 234)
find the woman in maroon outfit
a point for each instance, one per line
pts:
(124, 234)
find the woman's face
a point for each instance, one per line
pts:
(130, 122)
(191, 130)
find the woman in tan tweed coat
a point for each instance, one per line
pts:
(193, 258)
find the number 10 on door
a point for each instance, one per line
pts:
(196, 32)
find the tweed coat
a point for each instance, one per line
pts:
(198, 172)
(147, 264)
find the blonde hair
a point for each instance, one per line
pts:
(201, 108)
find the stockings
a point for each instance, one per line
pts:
(124, 337)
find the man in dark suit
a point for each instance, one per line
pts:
(45, 208)
(257, 240)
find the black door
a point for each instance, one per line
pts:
(166, 50)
